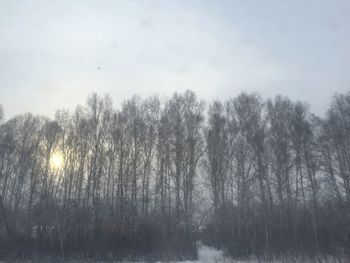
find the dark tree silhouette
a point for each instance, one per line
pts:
(131, 182)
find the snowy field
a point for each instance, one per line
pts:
(208, 254)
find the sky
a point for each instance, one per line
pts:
(53, 54)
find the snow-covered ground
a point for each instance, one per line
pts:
(208, 255)
(211, 255)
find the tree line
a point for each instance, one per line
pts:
(146, 180)
(279, 176)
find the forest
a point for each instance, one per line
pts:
(147, 180)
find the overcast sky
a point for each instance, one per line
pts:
(53, 54)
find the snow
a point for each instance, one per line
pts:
(208, 255)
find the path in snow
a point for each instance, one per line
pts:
(209, 255)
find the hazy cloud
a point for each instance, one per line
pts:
(54, 53)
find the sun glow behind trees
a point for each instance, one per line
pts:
(56, 161)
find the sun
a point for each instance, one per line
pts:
(56, 160)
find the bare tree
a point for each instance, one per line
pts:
(130, 181)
